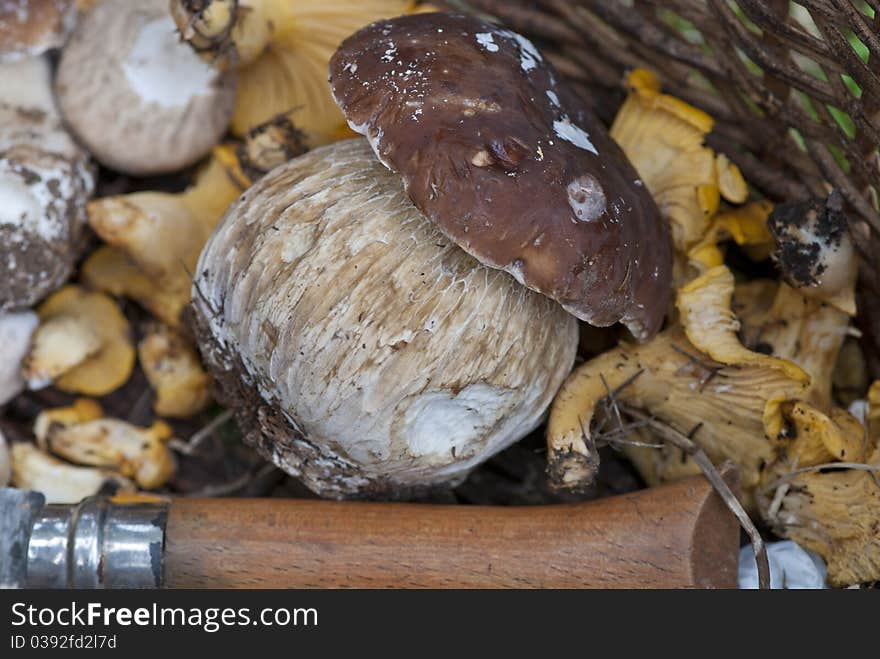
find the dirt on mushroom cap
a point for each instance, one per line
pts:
(497, 152)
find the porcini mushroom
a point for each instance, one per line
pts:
(45, 179)
(281, 50)
(15, 339)
(501, 156)
(83, 344)
(29, 28)
(79, 435)
(362, 351)
(58, 481)
(174, 372)
(139, 100)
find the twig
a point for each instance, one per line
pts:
(776, 504)
(711, 371)
(189, 447)
(233, 486)
(140, 407)
(618, 436)
(610, 403)
(683, 442)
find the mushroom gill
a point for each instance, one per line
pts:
(696, 377)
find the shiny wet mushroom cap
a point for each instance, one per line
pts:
(507, 162)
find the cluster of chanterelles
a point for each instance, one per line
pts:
(380, 329)
(744, 368)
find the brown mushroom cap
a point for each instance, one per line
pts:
(496, 151)
(138, 99)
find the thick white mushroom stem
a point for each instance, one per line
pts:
(362, 351)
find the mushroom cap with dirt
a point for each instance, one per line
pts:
(29, 28)
(363, 351)
(815, 251)
(142, 102)
(45, 180)
(495, 149)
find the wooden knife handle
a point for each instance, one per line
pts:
(674, 536)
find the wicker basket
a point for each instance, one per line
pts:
(794, 88)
